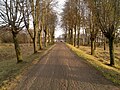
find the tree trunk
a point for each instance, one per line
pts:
(95, 46)
(69, 35)
(66, 35)
(17, 48)
(78, 38)
(45, 38)
(83, 38)
(35, 40)
(104, 43)
(40, 40)
(49, 37)
(88, 40)
(74, 42)
(52, 37)
(111, 50)
(35, 45)
(92, 47)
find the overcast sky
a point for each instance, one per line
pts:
(59, 8)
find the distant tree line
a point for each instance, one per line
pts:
(92, 22)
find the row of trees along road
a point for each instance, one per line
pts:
(98, 20)
(16, 15)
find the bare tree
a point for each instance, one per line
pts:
(107, 13)
(46, 22)
(35, 12)
(12, 17)
(95, 15)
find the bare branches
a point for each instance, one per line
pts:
(11, 14)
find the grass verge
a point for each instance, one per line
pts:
(10, 72)
(109, 72)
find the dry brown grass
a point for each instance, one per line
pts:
(103, 55)
(7, 51)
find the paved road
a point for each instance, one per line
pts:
(60, 69)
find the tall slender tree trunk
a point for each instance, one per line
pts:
(69, 35)
(49, 37)
(92, 47)
(72, 40)
(83, 38)
(17, 48)
(95, 44)
(45, 38)
(88, 40)
(52, 38)
(66, 35)
(78, 38)
(40, 39)
(104, 43)
(74, 37)
(34, 45)
(35, 40)
(111, 50)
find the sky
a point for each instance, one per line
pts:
(58, 9)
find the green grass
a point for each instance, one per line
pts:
(109, 72)
(9, 70)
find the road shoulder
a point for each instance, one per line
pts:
(108, 72)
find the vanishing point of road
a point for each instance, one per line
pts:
(61, 69)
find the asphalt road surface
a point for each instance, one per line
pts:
(61, 69)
